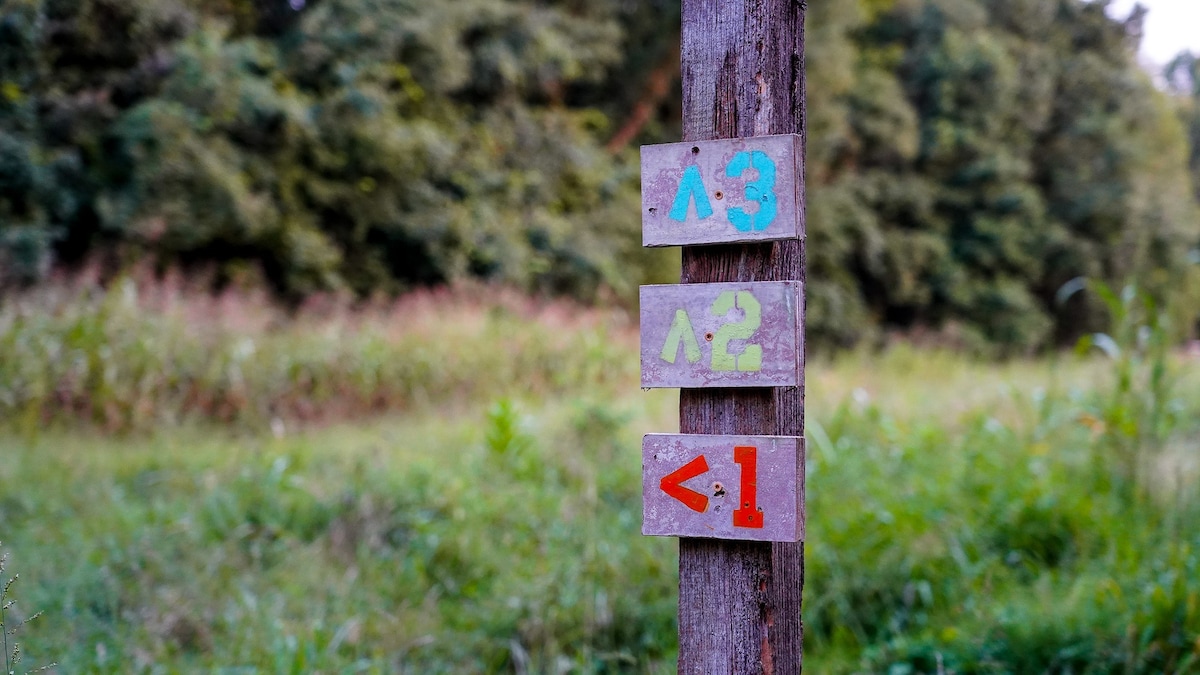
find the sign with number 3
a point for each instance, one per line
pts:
(735, 190)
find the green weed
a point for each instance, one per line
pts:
(1137, 413)
(9, 626)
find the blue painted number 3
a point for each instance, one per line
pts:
(760, 191)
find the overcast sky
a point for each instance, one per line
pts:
(1171, 27)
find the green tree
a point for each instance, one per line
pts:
(1183, 78)
(25, 228)
(368, 148)
(984, 154)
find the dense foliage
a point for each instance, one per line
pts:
(1183, 77)
(967, 157)
(978, 155)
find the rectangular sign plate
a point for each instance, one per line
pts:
(723, 487)
(722, 335)
(712, 192)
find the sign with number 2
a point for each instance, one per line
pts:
(722, 335)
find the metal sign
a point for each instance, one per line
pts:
(709, 192)
(724, 487)
(722, 335)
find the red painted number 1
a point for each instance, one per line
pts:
(748, 515)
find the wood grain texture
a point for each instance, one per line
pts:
(743, 75)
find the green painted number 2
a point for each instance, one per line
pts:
(750, 360)
(683, 334)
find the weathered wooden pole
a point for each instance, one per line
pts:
(743, 76)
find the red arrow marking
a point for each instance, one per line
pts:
(671, 484)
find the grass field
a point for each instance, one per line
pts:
(453, 485)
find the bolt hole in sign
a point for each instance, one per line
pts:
(722, 335)
(712, 192)
(723, 487)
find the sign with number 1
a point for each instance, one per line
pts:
(725, 487)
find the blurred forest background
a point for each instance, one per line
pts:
(316, 350)
(966, 157)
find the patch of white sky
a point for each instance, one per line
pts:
(1172, 26)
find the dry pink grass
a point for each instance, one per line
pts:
(146, 348)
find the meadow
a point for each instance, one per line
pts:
(451, 484)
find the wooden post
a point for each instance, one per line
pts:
(743, 75)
